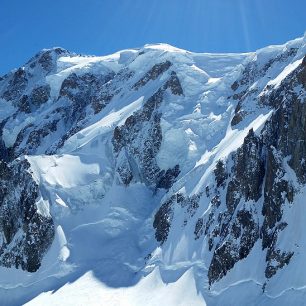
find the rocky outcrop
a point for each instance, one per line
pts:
(79, 96)
(16, 84)
(138, 141)
(164, 215)
(246, 89)
(25, 234)
(152, 74)
(86, 89)
(32, 101)
(234, 233)
(163, 219)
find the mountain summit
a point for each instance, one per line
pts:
(156, 176)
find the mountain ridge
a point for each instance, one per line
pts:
(150, 165)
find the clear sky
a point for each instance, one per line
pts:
(104, 26)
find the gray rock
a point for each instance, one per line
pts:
(140, 139)
(25, 234)
(152, 74)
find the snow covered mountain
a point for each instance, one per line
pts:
(154, 175)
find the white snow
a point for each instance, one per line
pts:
(6, 109)
(10, 132)
(151, 290)
(174, 149)
(43, 207)
(66, 170)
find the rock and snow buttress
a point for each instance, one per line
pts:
(154, 175)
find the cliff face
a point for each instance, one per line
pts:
(26, 232)
(177, 159)
(252, 187)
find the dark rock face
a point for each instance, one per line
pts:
(45, 60)
(244, 92)
(168, 177)
(302, 73)
(220, 174)
(198, 230)
(26, 235)
(253, 70)
(85, 90)
(78, 97)
(275, 189)
(140, 137)
(257, 174)
(34, 100)
(36, 136)
(40, 95)
(164, 216)
(153, 74)
(248, 170)
(138, 141)
(174, 85)
(84, 93)
(282, 127)
(16, 84)
(238, 237)
(163, 219)
(276, 259)
(237, 229)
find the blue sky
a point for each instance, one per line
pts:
(105, 26)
